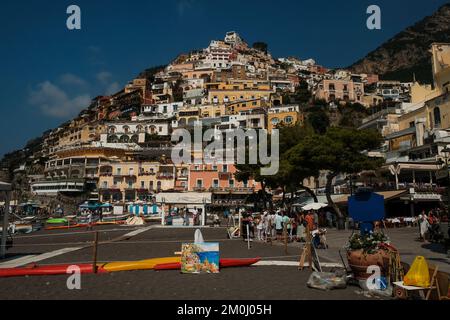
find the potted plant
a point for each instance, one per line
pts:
(365, 250)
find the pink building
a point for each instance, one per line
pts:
(217, 178)
(346, 90)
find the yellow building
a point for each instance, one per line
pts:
(236, 91)
(441, 66)
(421, 93)
(212, 111)
(286, 115)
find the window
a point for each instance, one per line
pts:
(105, 185)
(437, 117)
(199, 183)
(216, 183)
(275, 121)
(119, 171)
(231, 182)
(143, 184)
(225, 168)
(289, 120)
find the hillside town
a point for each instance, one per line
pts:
(118, 150)
(355, 151)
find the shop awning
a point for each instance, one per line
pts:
(184, 198)
(388, 195)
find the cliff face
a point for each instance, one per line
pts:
(408, 53)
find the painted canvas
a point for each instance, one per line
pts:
(200, 258)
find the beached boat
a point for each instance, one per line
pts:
(57, 221)
(170, 263)
(224, 263)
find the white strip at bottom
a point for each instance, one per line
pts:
(36, 258)
(136, 232)
(294, 264)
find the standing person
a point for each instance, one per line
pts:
(424, 226)
(309, 218)
(268, 223)
(260, 227)
(287, 224)
(186, 217)
(279, 225)
(194, 216)
(316, 220)
(329, 217)
(301, 228)
(245, 223)
(226, 214)
(89, 217)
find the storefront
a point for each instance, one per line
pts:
(174, 203)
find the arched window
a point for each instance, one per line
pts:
(126, 129)
(437, 117)
(124, 139)
(135, 139)
(275, 121)
(113, 139)
(112, 130)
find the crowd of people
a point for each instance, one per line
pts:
(279, 225)
(429, 225)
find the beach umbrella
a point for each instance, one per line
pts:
(314, 206)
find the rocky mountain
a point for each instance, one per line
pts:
(408, 53)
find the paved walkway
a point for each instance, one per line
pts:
(404, 239)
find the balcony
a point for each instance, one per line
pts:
(143, 174)
(119, 175)
(165, 176)
(224, 175)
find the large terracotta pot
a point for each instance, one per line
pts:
(359, 261)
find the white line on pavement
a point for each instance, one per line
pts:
(31, 259)
(295, 264)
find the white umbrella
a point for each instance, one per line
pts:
(315, 206)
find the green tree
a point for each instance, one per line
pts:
(302, 93)
(319, 120)
(341, 150)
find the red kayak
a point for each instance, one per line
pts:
(224, 263)
(35, 270)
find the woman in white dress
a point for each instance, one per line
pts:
(424, 226)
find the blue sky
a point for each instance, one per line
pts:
(48, 73)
